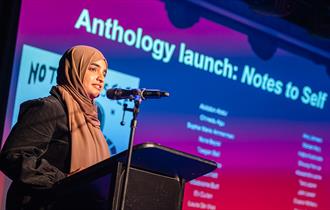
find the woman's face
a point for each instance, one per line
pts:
(94, 78)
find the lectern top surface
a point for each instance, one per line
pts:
(163, 160)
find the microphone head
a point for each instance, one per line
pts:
(113, 93)
(118, 93)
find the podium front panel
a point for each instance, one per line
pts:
(150, 191)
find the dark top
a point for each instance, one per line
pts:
(36, 153)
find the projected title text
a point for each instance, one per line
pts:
(163, 51)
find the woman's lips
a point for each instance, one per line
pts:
(97, 86)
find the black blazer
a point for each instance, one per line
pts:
(37, 154)
(37, 151)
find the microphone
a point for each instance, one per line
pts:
(118, 93)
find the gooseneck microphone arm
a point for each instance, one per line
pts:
(118, 93)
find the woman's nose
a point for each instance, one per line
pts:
(100, 77)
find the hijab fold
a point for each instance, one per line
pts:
(88, 145)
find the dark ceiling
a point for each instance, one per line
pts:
(299, 26)
(312, 15)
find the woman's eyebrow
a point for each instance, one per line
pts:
(95, 64)
(99, 66)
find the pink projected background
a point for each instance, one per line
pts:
(272, 151)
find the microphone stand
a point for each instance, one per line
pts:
(135, 111)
